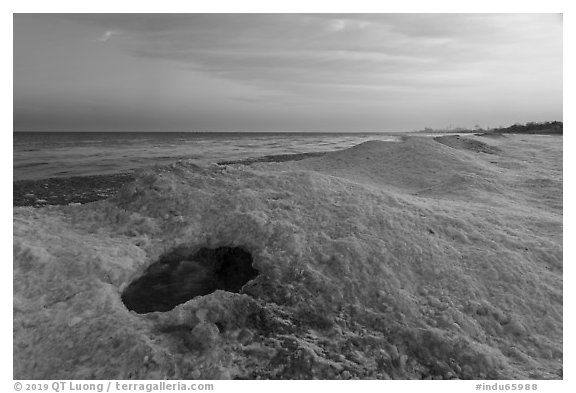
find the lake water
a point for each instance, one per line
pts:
(40, 155)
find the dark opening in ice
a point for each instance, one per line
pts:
(180, 276)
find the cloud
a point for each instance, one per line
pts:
(324, 56)
(107, 36)
(342, 24)
(337, 25)
(284, 71)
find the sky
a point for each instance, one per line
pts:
(284, 72)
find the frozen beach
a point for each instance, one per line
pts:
(42, 155)
(430, 258)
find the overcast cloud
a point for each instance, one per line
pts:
(285, 72)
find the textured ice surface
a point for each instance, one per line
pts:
(403, 260)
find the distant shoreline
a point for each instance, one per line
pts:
(530, 128)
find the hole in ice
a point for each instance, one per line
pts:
(180, 276)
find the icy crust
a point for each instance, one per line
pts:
(368, 268)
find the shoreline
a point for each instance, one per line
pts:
(85, 189)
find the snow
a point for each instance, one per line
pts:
(406, 260)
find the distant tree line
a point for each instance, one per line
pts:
(547, 127)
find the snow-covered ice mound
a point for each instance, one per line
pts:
(387, 260)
